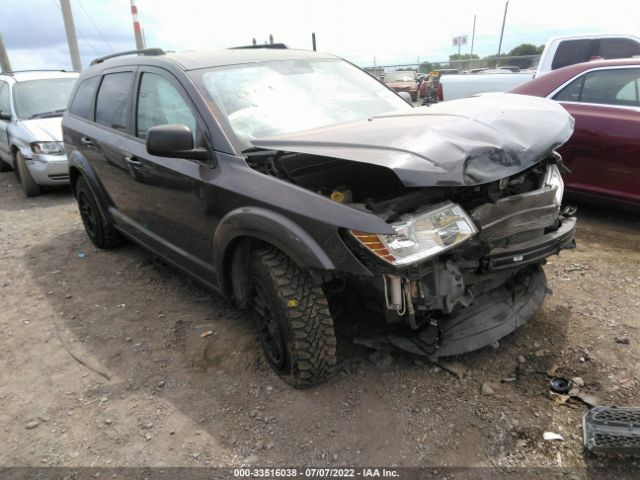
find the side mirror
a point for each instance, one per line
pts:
(173, 141)
(406, 97)
(5, 116)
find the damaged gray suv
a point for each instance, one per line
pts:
(280, 178)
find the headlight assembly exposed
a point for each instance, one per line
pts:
(47, 148)
(421, 236)
(553, 179)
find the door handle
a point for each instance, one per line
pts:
(133, 161)
(86, 141)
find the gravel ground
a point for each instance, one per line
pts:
(103, 364)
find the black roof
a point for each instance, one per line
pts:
(191, 60)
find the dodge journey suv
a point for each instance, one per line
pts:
(286, 179)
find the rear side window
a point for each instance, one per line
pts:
(83, 99)
(618, 87)
(618, 48)
(570, 52)
(112, 104)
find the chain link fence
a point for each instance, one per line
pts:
(514, 63)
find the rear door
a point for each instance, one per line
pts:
(106, 141)
(604, 152)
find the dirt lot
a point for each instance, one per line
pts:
(102, 364)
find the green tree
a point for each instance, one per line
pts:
(463, 56)
(526, 49)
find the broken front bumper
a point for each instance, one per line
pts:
(497, 311)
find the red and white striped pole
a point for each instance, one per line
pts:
(137, 30)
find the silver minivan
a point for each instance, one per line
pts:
(31, 108)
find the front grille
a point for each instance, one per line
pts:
(517, 218)
(613, 430)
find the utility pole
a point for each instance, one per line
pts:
(504, 19)
(270, 39)
(5, 65)
(313, 40)
(72, 40)
(473, 37)
(137, 30)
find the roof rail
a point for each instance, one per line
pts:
(266, 45)
(149, 52)
(11, 72)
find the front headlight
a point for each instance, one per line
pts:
(553, 179)
(47, 148)
(421, 236)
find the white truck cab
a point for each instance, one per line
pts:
(564, 51)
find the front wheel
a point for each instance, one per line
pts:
(293, 321)
(28, 184)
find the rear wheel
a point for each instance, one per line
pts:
(28, 184)
(293, 321)
(99, 230)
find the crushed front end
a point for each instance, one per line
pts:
(467, 270)
(461, 205)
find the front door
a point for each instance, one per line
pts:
(167, 197)
(5, 108)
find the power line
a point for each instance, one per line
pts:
(80, 32)
(95, 26)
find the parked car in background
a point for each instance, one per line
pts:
(558, 52)
(31, 108)
(603, 155)
(402, 81)
(424, 214)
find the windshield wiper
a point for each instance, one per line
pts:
(52, 113)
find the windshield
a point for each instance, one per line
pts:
(400, 77)
(280, 97)
(42, 98)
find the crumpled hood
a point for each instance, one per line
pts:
(462, 142)
(45, 129)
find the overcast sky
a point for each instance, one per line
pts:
(358, 30)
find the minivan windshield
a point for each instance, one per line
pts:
(42, 98)
(285, 96)
(405, 76)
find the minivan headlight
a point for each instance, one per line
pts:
(47, 148)
(553, 179)
(421, 236)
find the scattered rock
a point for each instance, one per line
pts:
(456, 368)
(521, 359)
(270, 445)
(551, 371)
(550, 436)
(623, 341)
(32, 425)
(250, 459)
(578, 381)
(206, 334)
(108, 421)
(487, 389)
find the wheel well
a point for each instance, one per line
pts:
(74, 173)
(236, 269)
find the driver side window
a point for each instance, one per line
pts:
(5, 106)
(160, 103)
